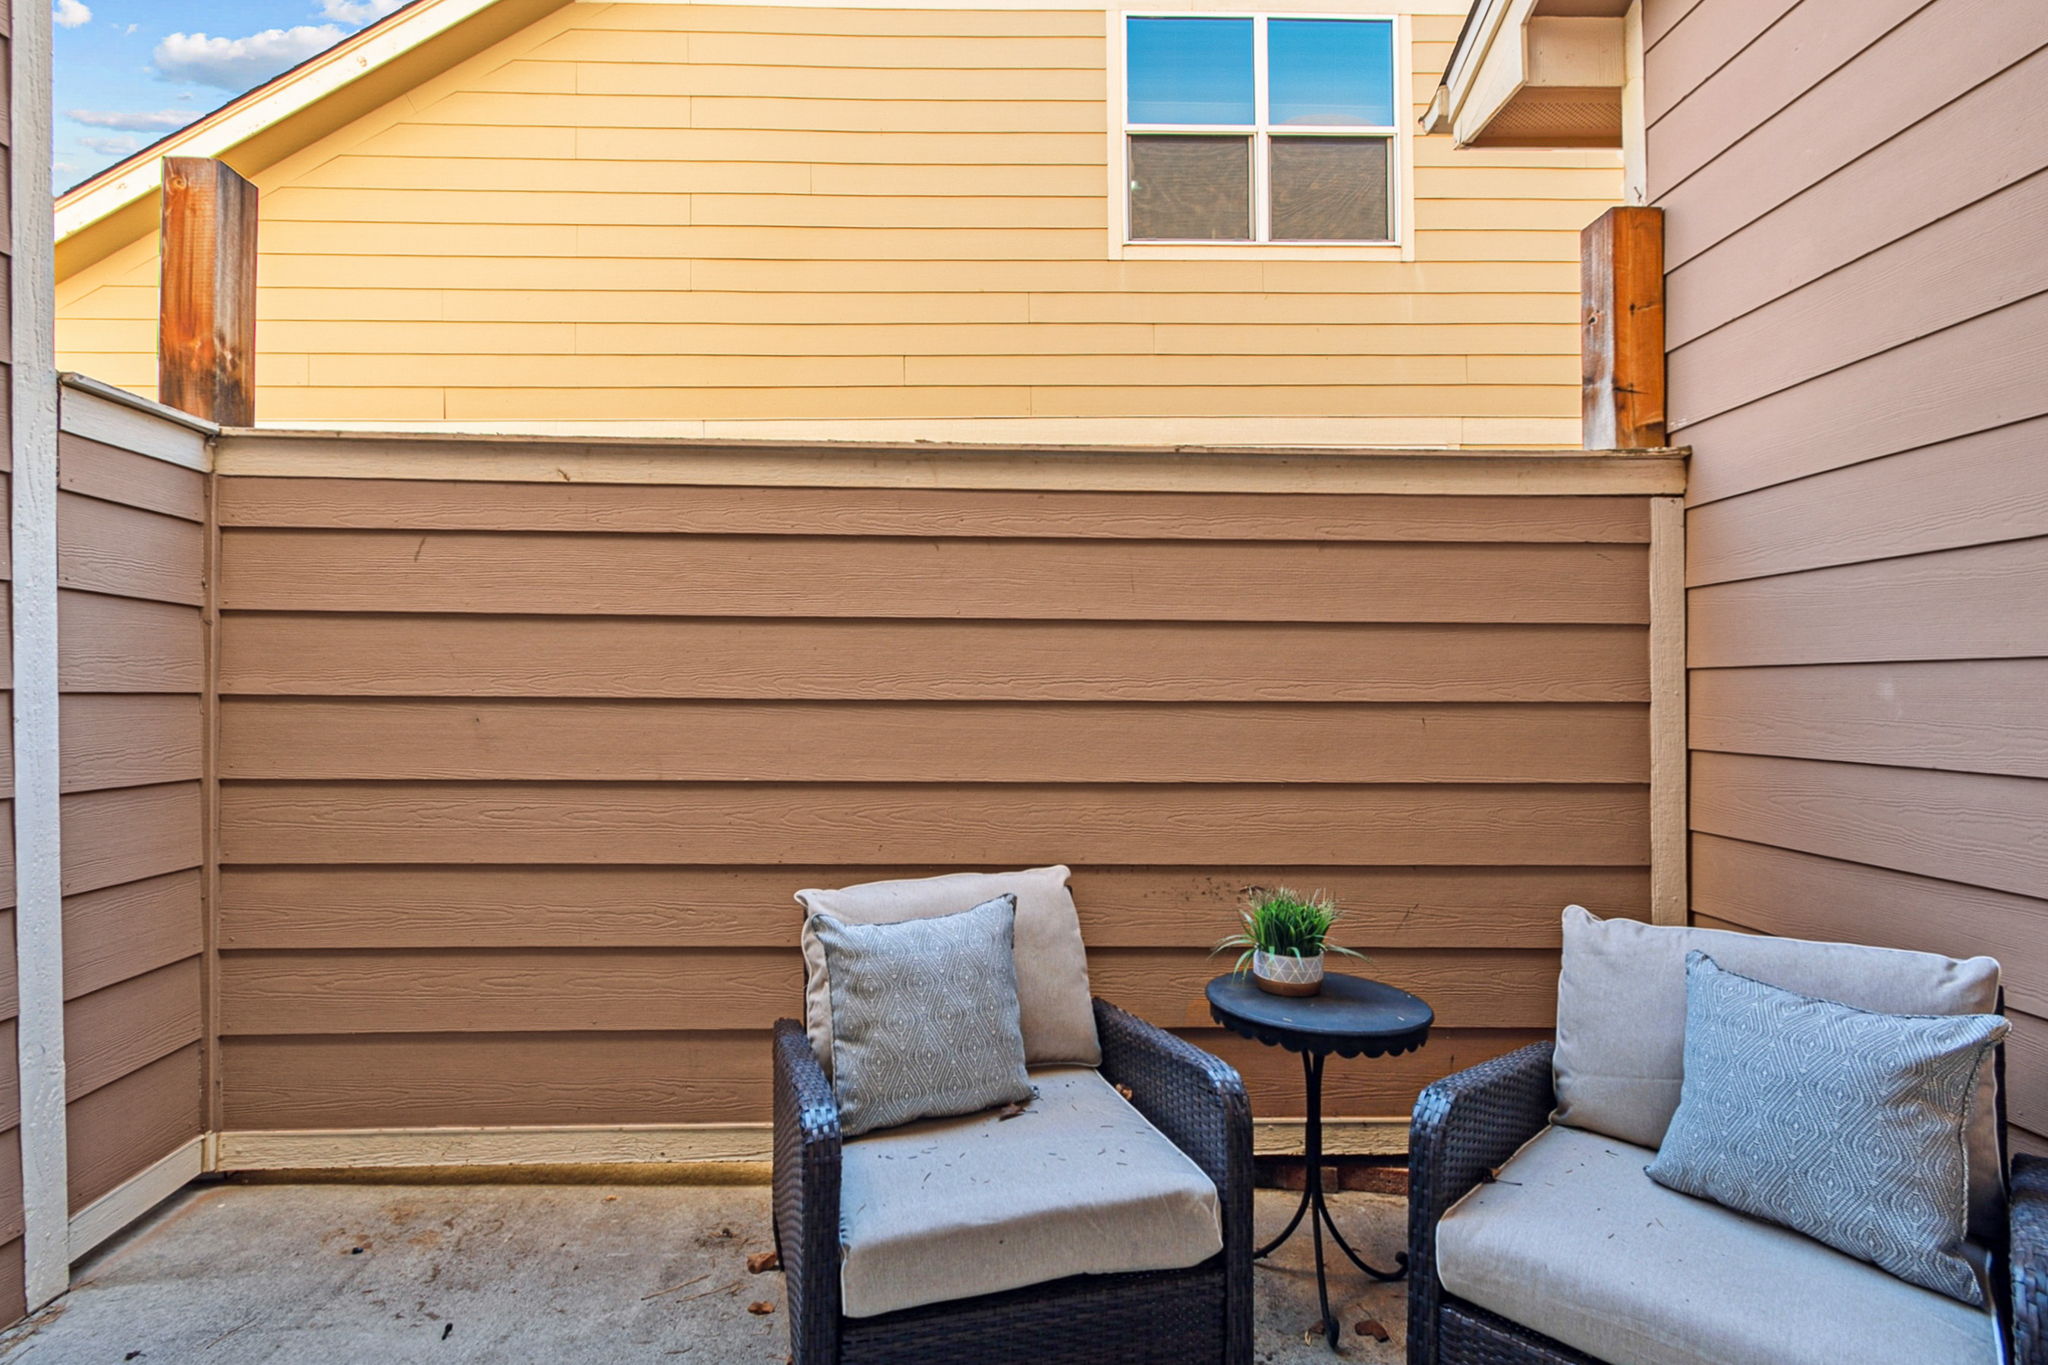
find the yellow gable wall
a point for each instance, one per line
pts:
(748, 220)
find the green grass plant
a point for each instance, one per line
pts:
(1284, 923)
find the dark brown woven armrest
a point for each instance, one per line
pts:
(1464, 1126)
(2030, 1260)
(1198, 1101)
(807, 1195)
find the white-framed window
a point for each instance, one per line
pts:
(1260, 128)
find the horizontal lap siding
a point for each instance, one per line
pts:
(1858, 370)
(518, 779)
(762, 218)
(131, 548)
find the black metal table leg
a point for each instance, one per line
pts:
(1316, 1206)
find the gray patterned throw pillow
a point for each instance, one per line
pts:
(1845, 1125)
(924, 1016)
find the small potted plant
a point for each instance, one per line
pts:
(1284, 940)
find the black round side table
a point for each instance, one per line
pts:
(1353, 1017)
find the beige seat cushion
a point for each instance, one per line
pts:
(1053, 1003)
(1620, 1055)
(1078, 1184)
(1575, 1241)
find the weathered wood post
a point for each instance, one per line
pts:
(206, 340)
(1621, 329)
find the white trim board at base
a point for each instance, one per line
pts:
(644, 1144)
(136, 1196)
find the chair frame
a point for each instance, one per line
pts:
(1149, 1318)
(1470, 1124)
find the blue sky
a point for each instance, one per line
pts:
(130, 71)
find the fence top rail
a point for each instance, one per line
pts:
(447, 456)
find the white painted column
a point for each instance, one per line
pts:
(39, 896)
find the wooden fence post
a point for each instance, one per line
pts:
(1621, 329)
(206, 341)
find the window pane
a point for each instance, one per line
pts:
(1330, 189)
(1189, 70)
(1333, 72)
(1191, 189)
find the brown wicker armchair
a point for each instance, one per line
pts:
(1153, 1318)
(1468, 1125)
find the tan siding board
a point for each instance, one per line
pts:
(121, 1129)
(115, 740)
(421, 505)
(1973, 262)
(1800, 895)
(1857, 209)
(118, 1030)
(125, 835)
(10, 985)
(107, 548)
(691, 1077)
(1745, 60)
(121, 932)
(536, 572)
(1978, 717)
(10, 1224)
(1121, 907)
(115, 644)
(1986, 487)
(7, 858)
(1719, 34)
(998, 825)
(1953, 826)
(553, 740)
(1920, 65)
(601, 990)
(2026, 1074)
(1880, 406)
(1045, 661)
(111, 474)
(1987, 602)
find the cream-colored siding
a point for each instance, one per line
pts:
(890, 222)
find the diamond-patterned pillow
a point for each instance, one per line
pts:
(1836, 1122)
(924, 1016)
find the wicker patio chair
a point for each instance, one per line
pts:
(1469, 1125)
(1171, 1317)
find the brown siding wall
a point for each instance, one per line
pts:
(131, 547)
(518, 779)
(1859, 336)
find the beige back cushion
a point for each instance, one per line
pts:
(1621, 1021)
(1053, 1002)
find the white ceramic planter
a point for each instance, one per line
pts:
(1285, 974)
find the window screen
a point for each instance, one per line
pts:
(1329, 189)
(1191, 189)
(1252, 128)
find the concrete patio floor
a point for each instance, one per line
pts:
(560, 1273)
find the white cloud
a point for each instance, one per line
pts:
(359, 11)
(70, 14)
(236, 64)
(132, 121)
(112, 144)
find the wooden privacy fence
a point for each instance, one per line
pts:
(523, 748)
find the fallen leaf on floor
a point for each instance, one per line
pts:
(1372, 1327)
(760, 1308)
(1124, 1090)
(1009, 1111)
(763, 1260)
